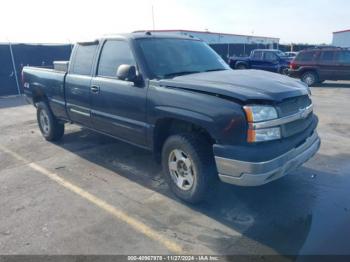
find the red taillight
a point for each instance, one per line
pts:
(293, 65)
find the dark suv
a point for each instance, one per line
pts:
(316, 65)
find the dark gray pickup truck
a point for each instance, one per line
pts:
(176, 97)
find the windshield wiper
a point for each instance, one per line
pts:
(180, 73)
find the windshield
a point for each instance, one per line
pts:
(170, 57)
(280, 53)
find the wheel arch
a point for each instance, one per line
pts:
(238, 63)
(39, 95)
(167, 126)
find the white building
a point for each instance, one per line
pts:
(341, 38)
(224, 38)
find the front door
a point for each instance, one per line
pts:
(271, 62)
(344, 62)
(256, 60)
(118, 107)
(329, 66)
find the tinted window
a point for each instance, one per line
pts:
(83, 59)
(114, 53)
(306, 56)
(270, 56)
(170, 57)
(344, 57)
(257, 55)
(327, 56)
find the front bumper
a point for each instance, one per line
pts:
(243, 173)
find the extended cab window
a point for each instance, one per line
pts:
(114, 53)
(84, 57)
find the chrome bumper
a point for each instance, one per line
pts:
(243, 173)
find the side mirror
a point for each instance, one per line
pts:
(127, 73)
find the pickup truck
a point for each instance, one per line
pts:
(174, 96)
(263, 59)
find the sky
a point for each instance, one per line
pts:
(63, 21)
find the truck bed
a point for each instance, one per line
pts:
(46, 82)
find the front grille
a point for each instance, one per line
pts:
(297, 126)
(290, 107)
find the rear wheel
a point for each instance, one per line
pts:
(188, 166)
(50, 128)
(310, 78)
(241, 67)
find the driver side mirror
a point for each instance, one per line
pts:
(127, 73)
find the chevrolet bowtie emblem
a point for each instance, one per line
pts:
(303, 112)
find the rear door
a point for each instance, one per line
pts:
(78, 83)
(118, 106)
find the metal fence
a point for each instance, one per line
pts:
(14, 56)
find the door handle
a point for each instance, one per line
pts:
(95, 89)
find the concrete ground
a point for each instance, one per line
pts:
(90, 194)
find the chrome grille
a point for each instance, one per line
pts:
(290, 107)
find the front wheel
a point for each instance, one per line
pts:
(50, 128)
(188, 166)
(310, 78)
(284, 71)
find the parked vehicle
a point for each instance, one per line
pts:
(291, 54)
(316, 65)
(262, 59)
(175, 96)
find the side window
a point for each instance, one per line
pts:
(83, 59)
(344, 57)
(270, 56)
(327, 56)
(306, 56)
(114, 53)
(257, 55)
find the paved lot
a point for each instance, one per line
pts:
(90, 194)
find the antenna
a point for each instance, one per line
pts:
(153, 23)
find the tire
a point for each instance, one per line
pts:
(241, 67)
(310, 78)
(183, 155)
(50, 128)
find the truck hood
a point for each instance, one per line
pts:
(244, 85)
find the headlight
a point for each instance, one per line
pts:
(258, 113)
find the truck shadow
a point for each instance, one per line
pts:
(278, 215)
(334, 85)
